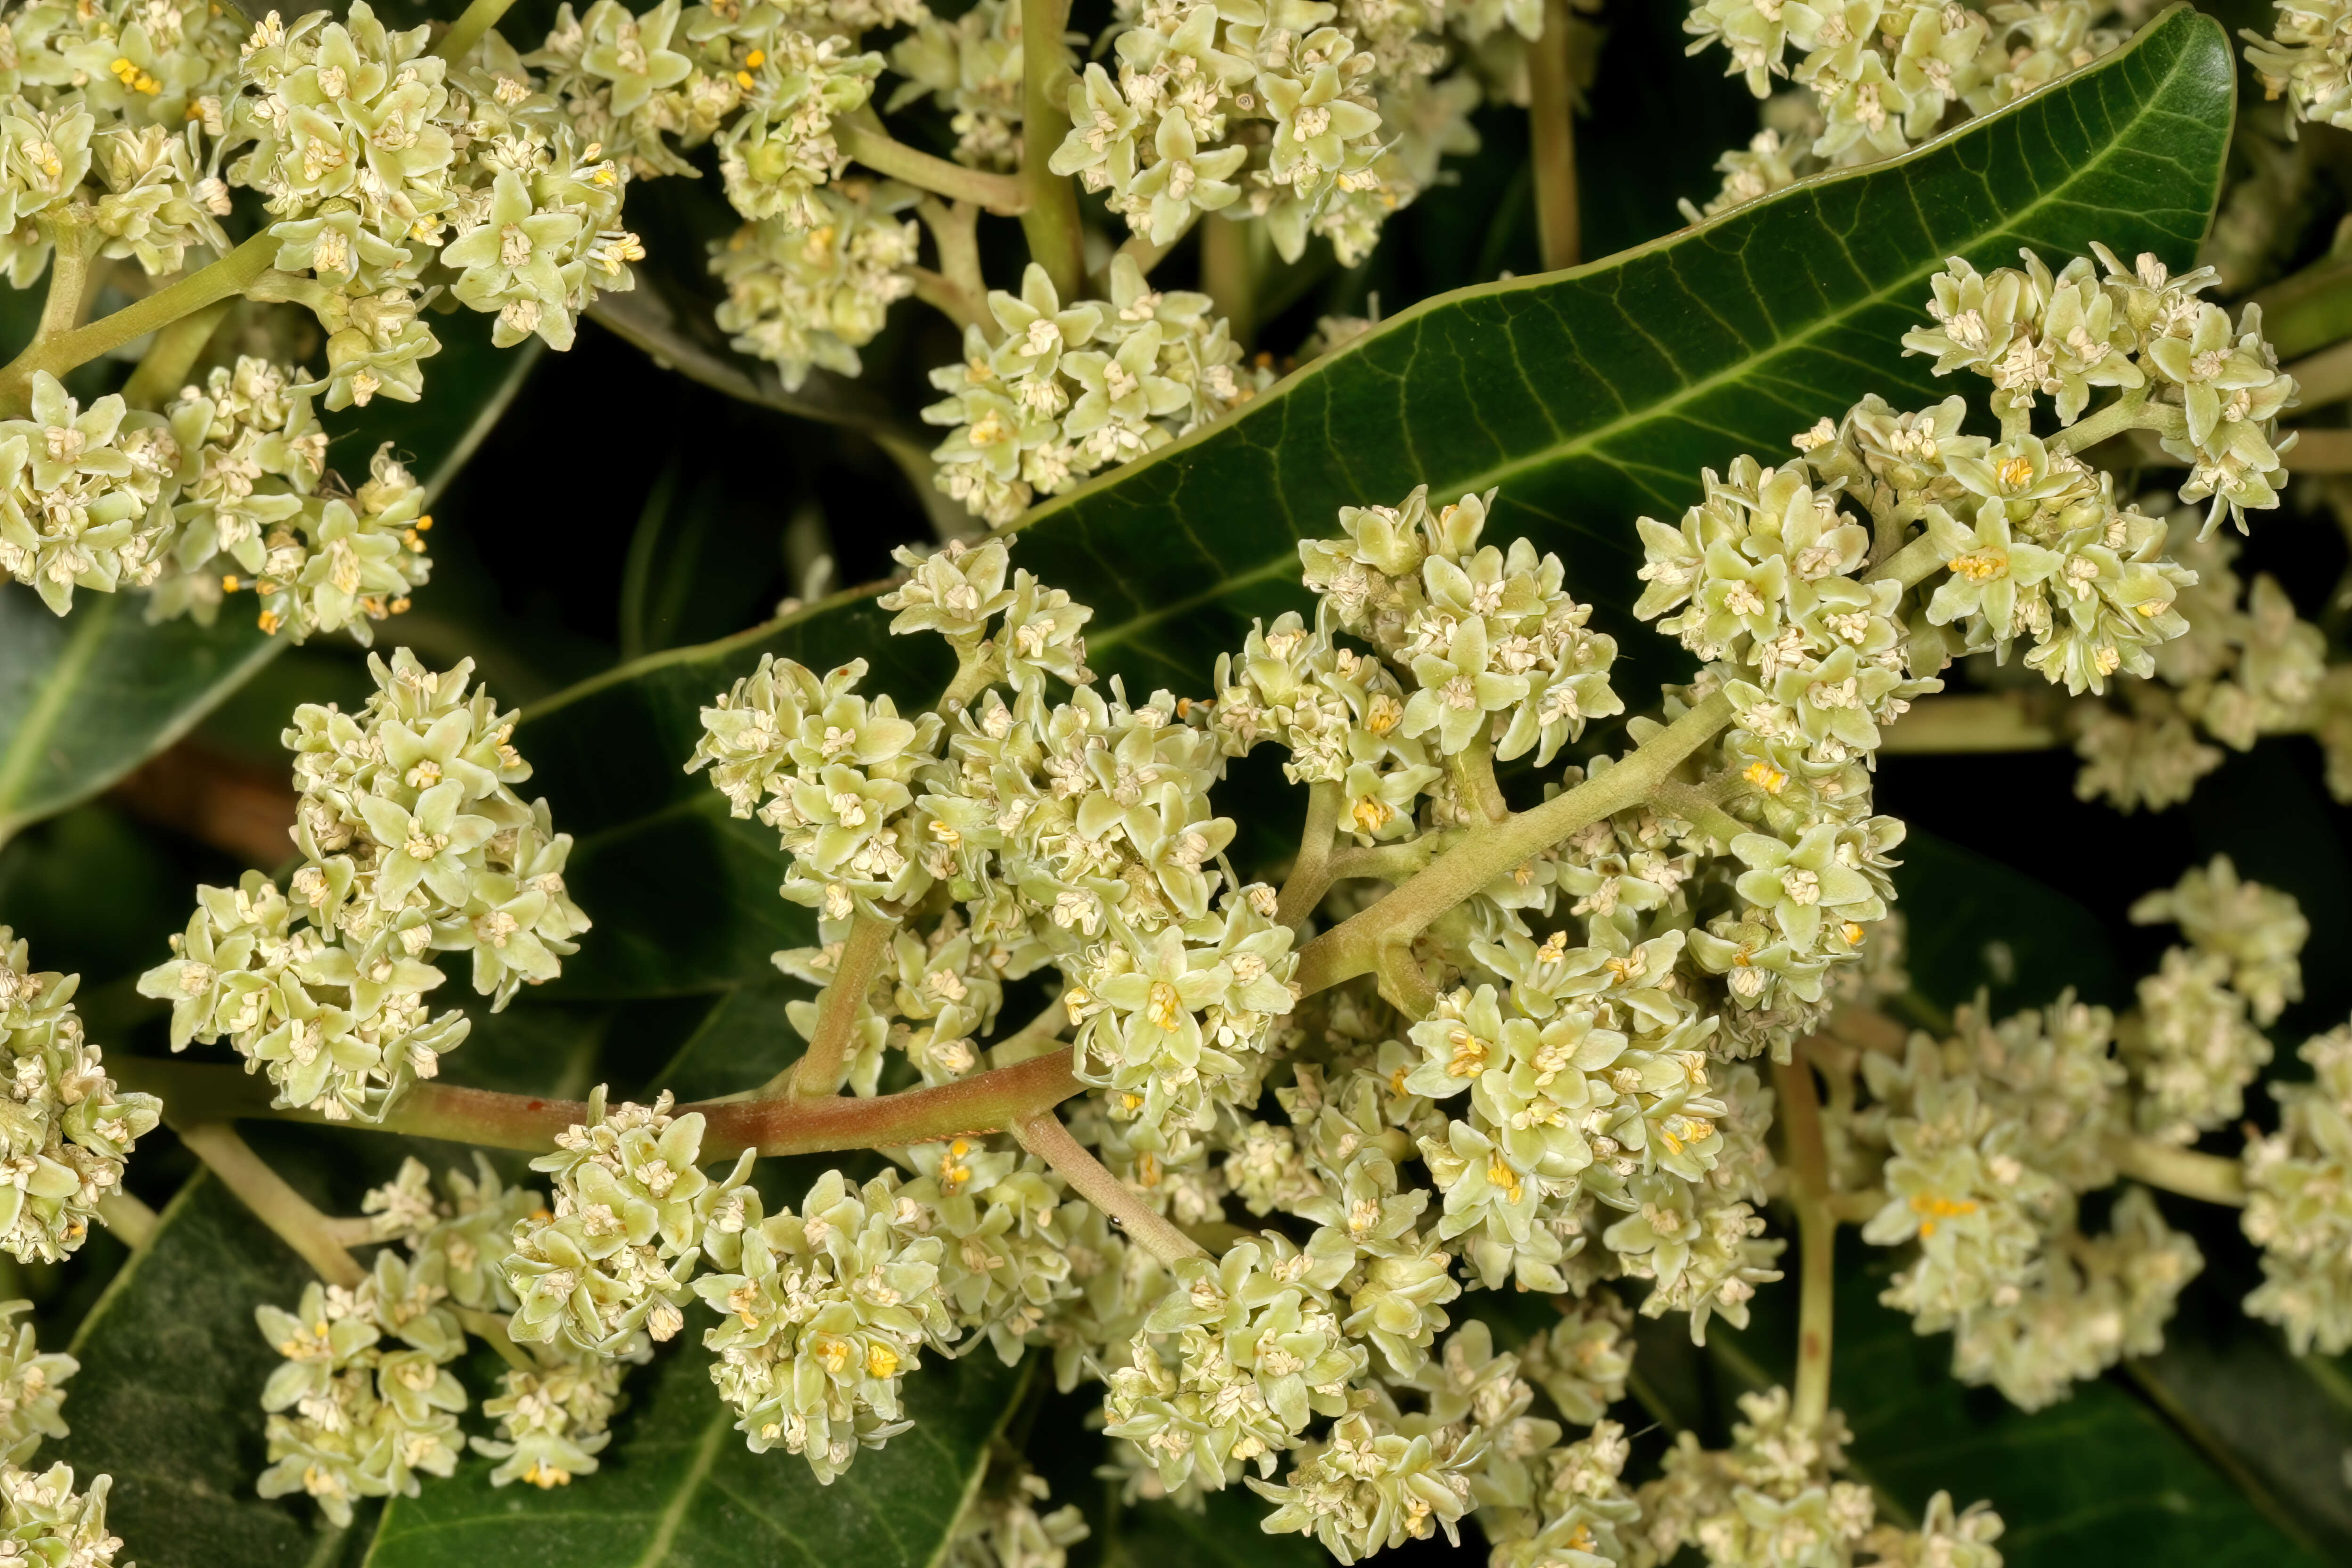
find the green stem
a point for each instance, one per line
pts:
(74, 245)
(818, 1072)
(1050, 218)
(2324, 378)
(1042, 1134)
(1354, 947)
(131, 1221)
(1392, 862)
(771, 1125)
(977, 669)
(1473, 773)
(955, 233)
(1310, 874)
(467, 31)
(1694, 806)
(2121, 415)
(1970, 723)
(490, 1328)
(1800, 1119)
(220, 280)
(2310, 310)
(2208, 1178)
(1229, 278)
(173, 353)
(1551, 134)
(876, 148)
(1910, 565)
(276, 1205)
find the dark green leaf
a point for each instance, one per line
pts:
(1996, 928)
(168, 1398)
(1595, 394)
(86, 698)
(1226, 1535)
(677, 1487)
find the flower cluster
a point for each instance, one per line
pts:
(554, 1410)
(378, 157)
(365, 1399)
(1002, 1526)
(228, 480)
(1878, 76)
(822, 1313)
(2248, 666)
(611, 1264)
(2307, 59)
(65, 1133)
(1771, 1499)
(971, 67)
(32, 1388)
(1317, 119)
(43, 1520)
(412, 842)
(1055, 394)
(806, 295)
(108, 109)
(2211, 391)
(2198, 1044)
(1981, 1145)
(2299, 1201)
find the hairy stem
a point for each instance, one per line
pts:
(74, 246)
(1692, 805)
(1551, 132)
(1042, 1134)
(818, 1072)
(1310, 874)
(865, 140)
(1050, 218)
(2208, 1178)
(220, 280)
(171, 355)
(1472, 771)
(770, 1123)
(1354, 947)
(131, 1221)
(276, 1205)
(1801, 1120)
(467, 31)
(1971, 722)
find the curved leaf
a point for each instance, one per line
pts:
(1593, 395)
(86, 698)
